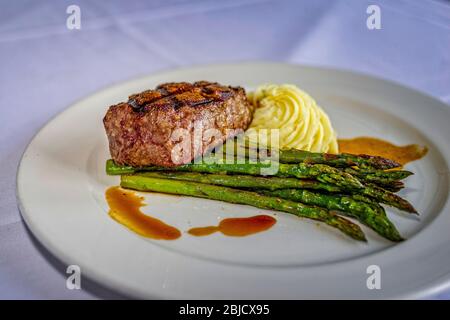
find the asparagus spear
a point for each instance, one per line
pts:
(385, 182)
(370, 194)
(370, 214)
(113, 169)
(244, 181)
(385, 179)
(388, 198)
(320, 172)
(391, 175)
(394, 186)
(374, 194)
(363, 198)
(338, 160)
(335, 160)
(242, 197)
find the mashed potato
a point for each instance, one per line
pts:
(301, 122)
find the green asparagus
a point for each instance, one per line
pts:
(242, 197)
(320, 172)
(387, 197)
(370, 194)
(113, 169)
(337, 160)
(244, 181)
(301, 156)
(390, 175)
(386, 179)
(370, 214)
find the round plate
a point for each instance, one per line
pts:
(61, 190)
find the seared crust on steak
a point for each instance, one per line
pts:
(152, 126)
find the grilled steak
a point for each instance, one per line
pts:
(172, 124)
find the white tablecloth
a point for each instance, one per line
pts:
(44, 67)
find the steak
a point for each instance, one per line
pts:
(175, 123)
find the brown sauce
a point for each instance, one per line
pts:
(125, 208)
(385, 149)
(237, 227)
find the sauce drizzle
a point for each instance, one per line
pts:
(125, 208)
(237, 227)
(385, 149)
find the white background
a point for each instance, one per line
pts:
(44, 67)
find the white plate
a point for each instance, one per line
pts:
(62, 181)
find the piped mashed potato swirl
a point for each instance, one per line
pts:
(301, 122)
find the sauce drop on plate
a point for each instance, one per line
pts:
(237, 227)
(385, 149)
(125, 208)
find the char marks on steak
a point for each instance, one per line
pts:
(146, 129)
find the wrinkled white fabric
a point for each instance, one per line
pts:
(44, 67)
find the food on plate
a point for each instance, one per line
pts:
(301, 122)
(322, 173)
(308, 182)
(148, 128)
(363, 209)
(324, 186)
(358, 206)
(299, 156)
(252, 198)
